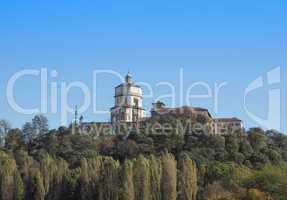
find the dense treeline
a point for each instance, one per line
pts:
(38, 163)
(97, 178)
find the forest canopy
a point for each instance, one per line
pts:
(39, 163)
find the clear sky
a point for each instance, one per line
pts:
(212, 41)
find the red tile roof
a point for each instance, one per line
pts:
(184, 109)
(233, 119)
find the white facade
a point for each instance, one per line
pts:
(128, 102)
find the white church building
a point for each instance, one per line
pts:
(128, 102)
(128, 110)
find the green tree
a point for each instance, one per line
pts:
(245, 148)
(232, 145)
(155, 177)
(48, 168)
(142, 178)
(229, 174)
(14, 140)
(84, 181)
(40, 125)
(169, 177)
(187, 178)
(34, 186)
(4, 129)
(257, 138)
(70, 190)
(109, 179)
(29, 134)
(7, 173)
(128, 191)
(272, 180)
(18, 189)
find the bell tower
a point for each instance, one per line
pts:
(128, 102)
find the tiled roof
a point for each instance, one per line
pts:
(233, 119)
(184, 109)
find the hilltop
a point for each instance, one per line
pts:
(65, 164)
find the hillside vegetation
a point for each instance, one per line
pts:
(37, 163)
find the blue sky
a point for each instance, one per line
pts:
(212, 41)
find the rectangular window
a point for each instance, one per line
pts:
(136, 102)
